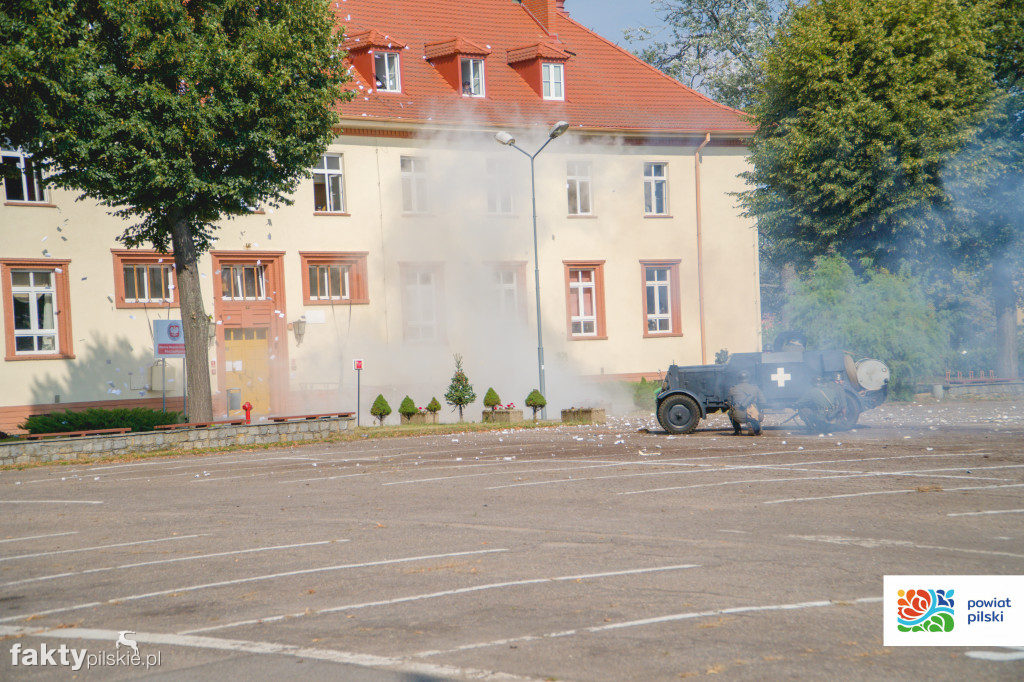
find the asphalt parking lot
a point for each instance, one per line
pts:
(598, 553)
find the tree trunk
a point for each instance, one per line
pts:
(193, 320)
(1005, 302)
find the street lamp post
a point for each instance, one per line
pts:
(504, 138)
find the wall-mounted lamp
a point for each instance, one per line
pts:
(299, 329)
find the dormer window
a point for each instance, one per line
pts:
(473, 77)
(553, 79)
(542, 66)
(385, 70)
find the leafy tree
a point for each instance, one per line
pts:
(174, 114)
(878, 315)
(536, 401)
(491, 399)
(433, 406)
(713, 45)
(460, 392)
(407, 408)
(380, 408)
(985, 227)
(861, 103)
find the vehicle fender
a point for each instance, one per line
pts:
(680, 391)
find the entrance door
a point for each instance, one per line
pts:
(247, 367)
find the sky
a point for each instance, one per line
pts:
(609, 17)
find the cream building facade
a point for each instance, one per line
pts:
(411, 242)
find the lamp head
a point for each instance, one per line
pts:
(504, 138)
(559, 129)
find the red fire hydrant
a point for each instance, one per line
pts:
(248, 412)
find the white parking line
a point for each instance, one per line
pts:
(239, 581)
(434, 595)
(90, 549)
(652, 621)
(892, 492)
(411, 668)
(38, 537)
(168, 561)
(872, 543)
(1015, 653)
(994, 511)
(51, 501)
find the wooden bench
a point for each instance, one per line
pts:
(75, 434)
(297, 417)
(199, 425)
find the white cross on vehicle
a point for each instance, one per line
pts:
(781, 377)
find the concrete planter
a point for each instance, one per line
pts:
(503, 416)
(420, 418)
(583, 415)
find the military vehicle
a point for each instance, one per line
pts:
(785, 374)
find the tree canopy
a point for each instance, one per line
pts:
(174, 114)
(861, 103)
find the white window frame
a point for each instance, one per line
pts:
(37, 330)
(579, 186)
(655, 188)
(320, 276)
(420, 304)
(499, 189)
(30, 184)
(506, 292)
(658, 299)
(330, 176)
(474, 77)
(415, 195)
(236, 275)
(580, 291)
(166, 295)
(386, 71)
(553, 80)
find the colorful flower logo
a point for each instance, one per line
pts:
(925, 611)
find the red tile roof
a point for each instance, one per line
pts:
(607, 88)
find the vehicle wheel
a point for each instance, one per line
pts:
(679, 414)
(848, 415)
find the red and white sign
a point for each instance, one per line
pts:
(357, 365)
(168, 339)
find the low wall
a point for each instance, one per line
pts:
(92, 447)
(1005, 390)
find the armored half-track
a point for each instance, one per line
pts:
(786, 374)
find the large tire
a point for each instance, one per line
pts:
(848, 414)
(679, 414)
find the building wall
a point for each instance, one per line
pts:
(459, 240)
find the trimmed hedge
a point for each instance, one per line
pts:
(136, 419)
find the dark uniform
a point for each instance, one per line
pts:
(820, 405)
(744, 399)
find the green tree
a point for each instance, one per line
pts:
(491, 398)
(407, 408)
(985, 227)
(174, 114)
(380, 408)
(433, 406)
(860, 104)
(714, 46)
(879, 315)
(536, 401)
(460, 392)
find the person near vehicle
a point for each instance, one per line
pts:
(821, 404)
(744, 401)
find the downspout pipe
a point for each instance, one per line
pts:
(700, 251)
